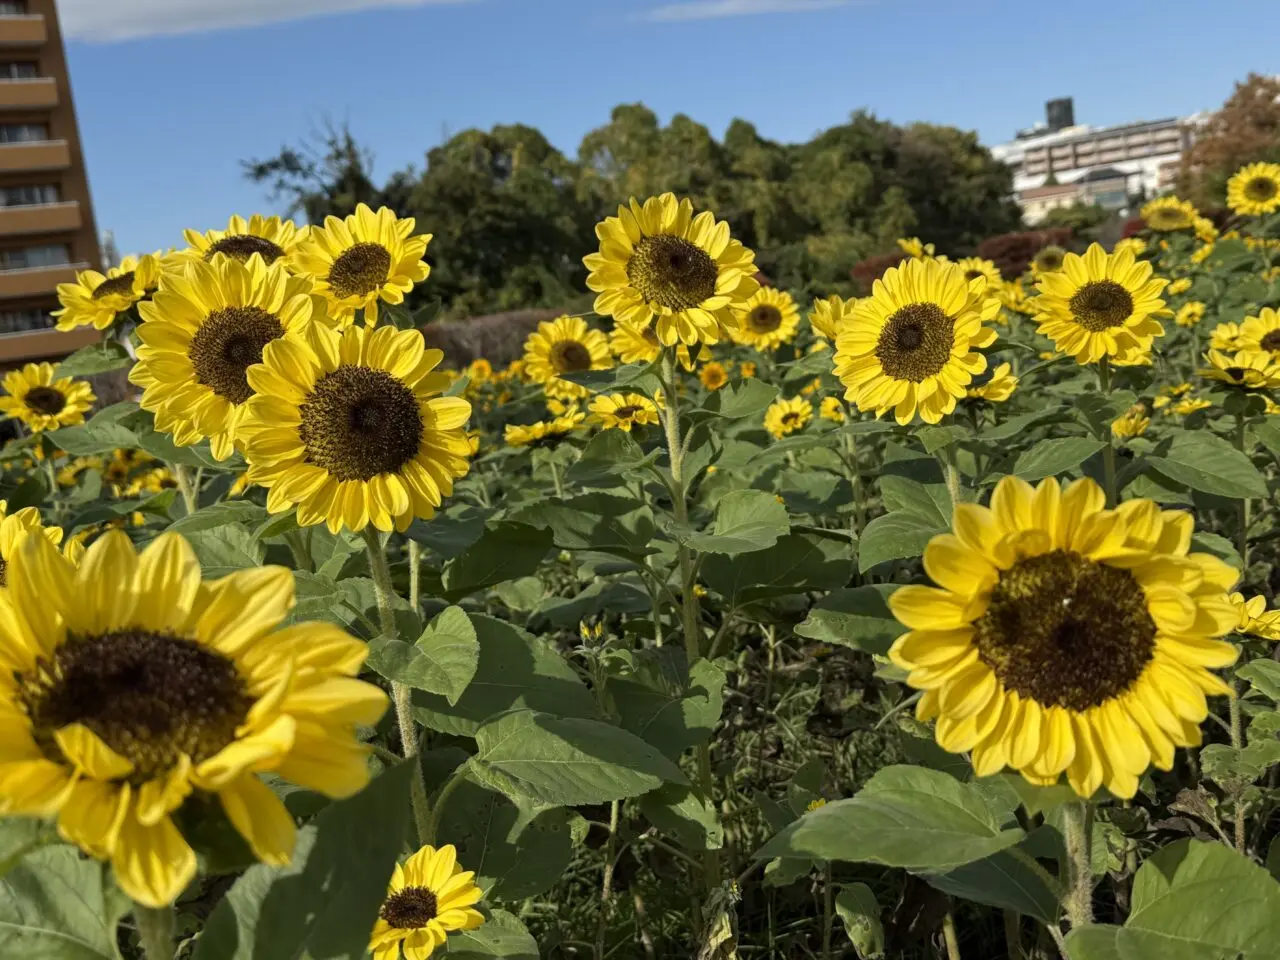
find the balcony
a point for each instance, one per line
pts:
(37, 281)
(19, 348)
(40, 218)
(34, 155)
(22, 30)
(37, 93)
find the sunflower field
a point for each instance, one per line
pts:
(934, 623)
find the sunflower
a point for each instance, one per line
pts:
(14, 528)
(998, 388)
(1184, 408)
(270, 237)
(915, 247)
(1132, 423)
(1181, 285)
(69, 474)
(1254, 190)
(1261, 332)
(787, 416)
(1255, 618)
(659, 264)
(428, 898)
(623, 410)
(360, 260)
(43, 403)
(909, 347)
(713, 375)
(1164, 214)
(1206, 232)
(480, 371)
(205, 326)
(96, 299)
(130, 683)
(544, 433)
(1225, 336)
(1202, 253)
(1135, 245)
(1100, 305)
(152, 482)
(767, 319)
(831, 409)
(1014, 297)
(1048, 260)
(635, 344)
(1246, 369)
(565, 345)
(829, 315)
(746, 369)
(1065, 637)
(1190, 313)
(351, 428)
(975, 267)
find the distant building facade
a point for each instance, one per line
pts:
(1060, 163)
(47, 230)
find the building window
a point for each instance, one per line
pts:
(30, 195)
(16, 321)
(49, 255)
(18, 70)
(23, 132)
(14, 7)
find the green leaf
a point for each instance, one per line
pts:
(1018, 426)
(1264, 675)
(100, 357)
(1097, 410)
(904, 817)
(505, 551)
(610, 455)
(58, 905)
(1000, 880)
(324, 904)
(567, 761)
(930, 502)
(860, 913)
(741, 398)
(795, 564)
(895, 536)
(630, 375)
(615, 596)
(666, 705)
(746, 520)
(1048, 458)
(523, 594)
(448, 534)
(217, 515)
(680, 813)
(594, 521)
(92, 438)
(443, 660)
(1209, 464)
(859, 618)
(939, 438)
(514, 670)
(1095, 941)
(226, 549)
(501, 936)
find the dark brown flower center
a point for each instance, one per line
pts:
(227, 344)
(973, 274)
(1271, 341)
(151, 697)
(570, 356)
(242, 246)
(410, 909)
(1235, 373)
(628, 411)
(1169, 218)
(1100, 305)
(360, 270)
(45, 400)
(1065, 631)
(1261, 189)
(1050, 259)
(115, 286)
(790, 419)
(916, 342)
(765, 318)
(672, 272)
(360, 422)
(4, 565)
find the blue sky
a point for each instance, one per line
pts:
(171, 98)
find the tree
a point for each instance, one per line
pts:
(1245, 130)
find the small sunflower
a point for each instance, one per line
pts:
(1181, 285)
(1190, 405)
(915, 247)
(1255, 618)
(1254, 190)
(544, 433)
(428, 898)
(1189, 314)
(351, 427)
(1261, 332)
(205, 326)
(1132, 423)
(975, 267)
(911, 346)
(480, 371)
(746, 369)
(1225, 337)
(622, 411)
(1065, 637)
(152, 482)
(270, 237)
(787, 416)
(767, 319)
(1014, 297)
(832, 409)
(659, 264)
(1202, 253)
(829, 315)
(1165, 214)
(1206, 232)
(713, 375)
(635, 344)
(1135, 245)
(43, 403)
(1100, 305)
(998, 388)
(1246, 369)
(362, 259)
(14, 528)
(96, 299)
(130, 683)
(1048, 260)
(565, 345)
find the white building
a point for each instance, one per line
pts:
(1056, 166)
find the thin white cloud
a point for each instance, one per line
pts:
(715, 9)
(104, 21)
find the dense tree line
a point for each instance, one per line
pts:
(513, 216)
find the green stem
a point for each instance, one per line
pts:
(951, 471)
(1013, 934)
(155, 931)
(300, 549)
(949, 935)
(415, 565)
(401, 695)
(1109, 451)
(828, 909)
(437, 809)
(555, 477)
(858, 518)
(1235, 713)
(1078, 822)
(1242, 545)
(606, 886)
(187, 487)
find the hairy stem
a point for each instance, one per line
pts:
(155, 931)
(1078, 821)
(949, 935)
(187, 486)
(1109, 451)
(828, 909)
(606, 885)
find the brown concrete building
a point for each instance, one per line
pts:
(47, 231)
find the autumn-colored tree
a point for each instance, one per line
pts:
(1245, 130)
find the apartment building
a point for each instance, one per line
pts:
(47, 230)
